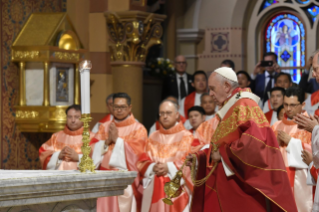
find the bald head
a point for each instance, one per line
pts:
(173, 99)
(180, 64)
(168, 114)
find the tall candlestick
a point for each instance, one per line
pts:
(86, 163)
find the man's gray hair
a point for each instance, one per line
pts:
(168, 100)
(222, 79)
(109, 97)
(314, 54)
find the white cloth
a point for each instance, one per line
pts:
(182, 104)
(266, 107)
(315, 157)
(294, 149)
(178, 85)
(209, 117)
(310, 108)
(98, 156)
(315, 147)
(152, 129)
(228, 171)
(310, 179)
(54, 161)
(118, 158)
(274, 118)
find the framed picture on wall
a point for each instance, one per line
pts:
(61, 84)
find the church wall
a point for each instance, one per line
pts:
(18, 150)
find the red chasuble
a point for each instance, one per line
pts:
(134, 136)
(56, 143)
(171, 147)
(250, 151)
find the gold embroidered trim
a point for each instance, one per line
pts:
(270, 199)
(260, 141)
(240, 115)
(256, 166)
(211, 188)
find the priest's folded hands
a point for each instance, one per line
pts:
(113, 134)
(68, 154)
(160, 169)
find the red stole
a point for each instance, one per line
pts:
(106, 118)
(269, 115)
(189, 102)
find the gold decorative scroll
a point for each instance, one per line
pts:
(27, 114)
(67, 56)
(26, 54)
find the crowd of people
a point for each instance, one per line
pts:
(254, 136)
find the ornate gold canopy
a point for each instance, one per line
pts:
(46, 38)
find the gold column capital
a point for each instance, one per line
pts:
(132, 33)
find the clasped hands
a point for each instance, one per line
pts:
(160, 169)
(113, 134)
(69, 155)
(283, 137)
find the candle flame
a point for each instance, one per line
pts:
(85, 64)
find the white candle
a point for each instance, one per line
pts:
(85, 67)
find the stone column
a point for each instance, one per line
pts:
(189, 39)
(22, 98)
(131, 34)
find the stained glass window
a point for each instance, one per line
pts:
(303, 1)
(285, 35)
(267, 3)
(313, 12)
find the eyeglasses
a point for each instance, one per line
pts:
(122, 107)
(181, 63)
(291, 105)
(168, 113)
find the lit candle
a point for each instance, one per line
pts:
(85, 67)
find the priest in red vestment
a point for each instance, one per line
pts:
(63, 150)
(107, 117)
(117, 146)
(292, 141)
(250, 174)
(166, 150)
(156, 125)
(276, 99)
(193, 99)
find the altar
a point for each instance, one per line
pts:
(59, 191)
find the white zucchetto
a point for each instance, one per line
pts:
(228, 73)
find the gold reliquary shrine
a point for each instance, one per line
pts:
(47, 51)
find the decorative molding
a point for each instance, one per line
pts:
(27, 114)
(190, 35)
(26, 54)
(209, 56)
(66, 55)
(225, 28)
(220, 42)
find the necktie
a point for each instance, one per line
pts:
(268, 88)
(182, 88)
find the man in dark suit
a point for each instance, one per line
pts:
(264, 77)
(179, 84)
